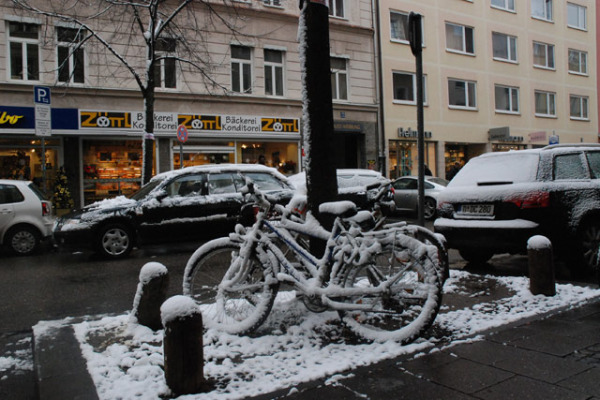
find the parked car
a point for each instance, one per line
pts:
(360, 186)
(184, 204)
(499, 200)
(406, 194)
(25, 216)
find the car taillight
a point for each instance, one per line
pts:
(531, 200)
(46, 209)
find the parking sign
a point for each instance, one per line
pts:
(41, 95)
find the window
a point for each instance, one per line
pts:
(275, 3)
(241, 69)
(508, 5)
(70, 55)
(543, 55)
(399, 26)
(339, 79)
(578, 62)
(165, 72)
(459, 38)
(576, 16)
(593, 159)
(273, 72)
(545, 104)
(405, 88)
(462, 94)
(336, 8)
(569, 166)
(579, 107)
(23, 50)
(505, 47)
(541, 9)
(507, 99)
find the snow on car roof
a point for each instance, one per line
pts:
(216, 168)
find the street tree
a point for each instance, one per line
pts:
(141, 39)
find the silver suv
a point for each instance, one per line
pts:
(25, 216)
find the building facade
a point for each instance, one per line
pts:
(246, 102)
(498, 75)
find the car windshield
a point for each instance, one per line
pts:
(265, 181)
(439, 181)
(498, 169)
(147, 188)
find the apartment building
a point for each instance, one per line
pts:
(498, 75)
(251, 106)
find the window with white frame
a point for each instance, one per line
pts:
(545, 104)
(508, 5)
(336, 8)
(579, 107)
(543, 55)
(578, 62)
(339, 78)
(462, 94)
(542, 9)
(507, 99)
(275, 3)
(70, 55)
(405, 88)
(576, 16)
(273, 72)
(241, 69)
(459, 38)
(23, 51)
(505, 47)
(165, 71)
(399, 26)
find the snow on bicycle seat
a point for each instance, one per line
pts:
(343, 208)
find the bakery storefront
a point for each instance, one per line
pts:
(111, 146)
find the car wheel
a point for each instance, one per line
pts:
(590, 247)
(23, 240)
(475, 256)
(429, 208)
(114, 241)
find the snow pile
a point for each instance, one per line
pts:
(295, 345)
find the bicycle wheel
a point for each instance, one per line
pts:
(235, 294)
(410, 303)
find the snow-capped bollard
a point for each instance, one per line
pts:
(541, 266)
(151, 294)
(182, 345)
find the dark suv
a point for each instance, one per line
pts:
(499, 200)
(194, 202)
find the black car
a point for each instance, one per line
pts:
(499, 200)
(194, 202)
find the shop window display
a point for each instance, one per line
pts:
(22, 159)
(111, 168)
(404, 158)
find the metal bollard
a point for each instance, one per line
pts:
(541, 266)
(151, 293)
(182, 345)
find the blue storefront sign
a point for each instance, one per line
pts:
(13, 118)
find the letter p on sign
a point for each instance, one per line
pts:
(41, 95)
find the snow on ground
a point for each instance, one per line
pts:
(18, 359)
(125, 360)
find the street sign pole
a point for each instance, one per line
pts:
(43, 124)
(182, 137)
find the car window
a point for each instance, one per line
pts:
(406, 184)
(266, 181)
(428, 185)
(188, 185)
(10, 194)
(594, 161)
(439, 181)
(344, 181)
(569, 166)
(220, 183)
(147, 188)
(37, 191)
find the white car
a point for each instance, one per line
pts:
(25, 216)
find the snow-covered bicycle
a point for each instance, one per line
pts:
(384, 284)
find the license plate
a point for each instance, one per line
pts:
(477, 209)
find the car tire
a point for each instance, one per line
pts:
(429, 208)
(589, 252)
(476, 256)
(114, 241)
(23, 240)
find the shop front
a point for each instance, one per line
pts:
(404, 155)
